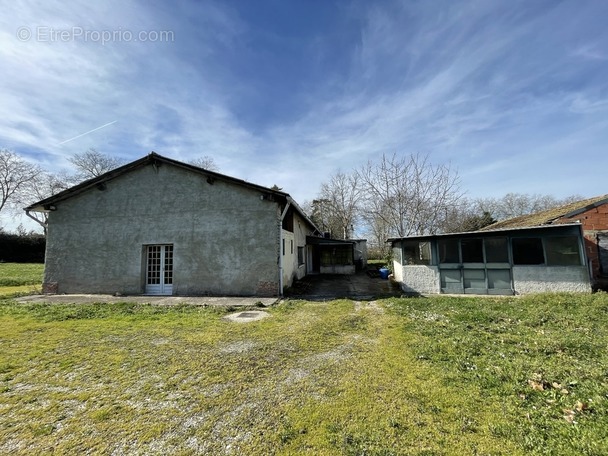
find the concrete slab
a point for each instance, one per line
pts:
(156, 300)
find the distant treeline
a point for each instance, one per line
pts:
(22, 248)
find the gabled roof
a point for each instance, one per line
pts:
(156, 160)
(550, 215)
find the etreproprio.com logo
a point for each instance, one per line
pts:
(45, 34)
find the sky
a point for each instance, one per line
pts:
(512, 94)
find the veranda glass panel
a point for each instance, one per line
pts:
(416, 253)
(497, 250)
(472, 250)
(562, 251)
(448, 251)
(528, 251)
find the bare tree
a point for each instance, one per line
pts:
(337, 206)
(205, 162)
(45, 185)
(92, 164)
(474, 214)
(518, 204)
(16, 176)
(409, 195)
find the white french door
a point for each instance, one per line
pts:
(159, 269)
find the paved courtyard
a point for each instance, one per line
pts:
(334, 286)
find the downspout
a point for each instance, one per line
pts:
(42, 224)
(281, 246)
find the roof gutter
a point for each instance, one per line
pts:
(42, 224)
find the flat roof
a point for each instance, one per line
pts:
(485, 233)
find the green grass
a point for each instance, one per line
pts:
(423, 376)
(18, 274)
(21, 290)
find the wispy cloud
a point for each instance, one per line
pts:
(288, 97)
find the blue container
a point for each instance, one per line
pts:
(384, 273)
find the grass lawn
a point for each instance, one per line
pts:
(19, 274)
(435, 376)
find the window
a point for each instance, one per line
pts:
(562, 251)
(397, 253)
(528, 251)
(300, 256)
(448, 251)
(283, 247)
(472, 250)
(416, 253)
(497, 250)
(291, 242)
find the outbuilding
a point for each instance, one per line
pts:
(592, 215)
(495, 262)
(160, 226)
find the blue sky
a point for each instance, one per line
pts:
(514, 94)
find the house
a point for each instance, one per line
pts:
(592, 214)
(159, 226)
(498, 261)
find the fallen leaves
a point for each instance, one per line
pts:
(538, 384)
(579, 408)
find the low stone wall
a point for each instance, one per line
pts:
(539, 279)
(420, 279)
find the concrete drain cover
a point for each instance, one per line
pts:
(244, 317)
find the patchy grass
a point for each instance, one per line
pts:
(18, 274)
(401, 376)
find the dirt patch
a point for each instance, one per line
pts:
(372, 306)
(247, 316)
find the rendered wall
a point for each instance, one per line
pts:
(538, 279)
(419, 279)
(224, 235)
(290, 258)
(361, 252)
(292, 270)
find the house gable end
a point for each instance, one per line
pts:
(156, 161)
